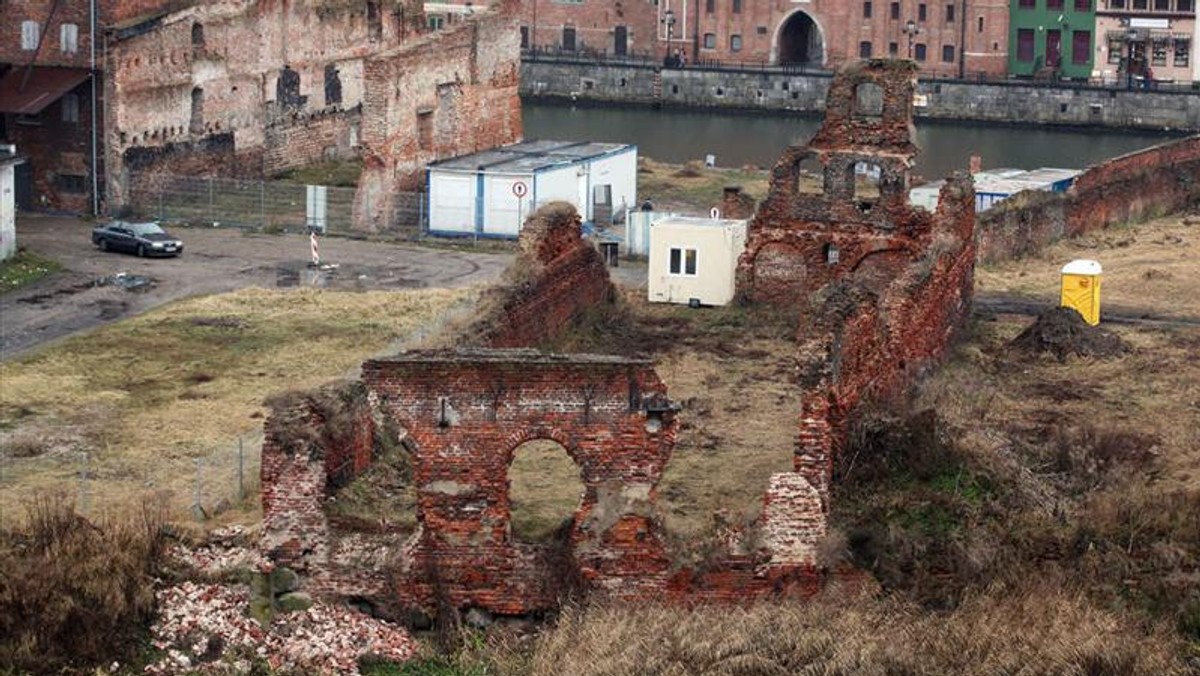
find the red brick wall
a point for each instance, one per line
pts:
(55, 148)
(460, 82)
(305, 139)
(14, 12)
(886, 306)
(556, 277)
(842, 25)
(1134, 187)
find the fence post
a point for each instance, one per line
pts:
(212, 216)
(197, 510)
(241, 471)
(262, 209)
(161, 216)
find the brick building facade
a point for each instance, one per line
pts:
(251, 88)
(952, 37)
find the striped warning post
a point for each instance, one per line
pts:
(316, 255)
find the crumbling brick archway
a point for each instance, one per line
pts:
(466, 412)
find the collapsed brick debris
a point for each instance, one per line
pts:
(204, 628)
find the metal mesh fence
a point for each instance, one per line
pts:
(271, 206)
(198, 484)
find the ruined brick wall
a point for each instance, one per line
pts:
(301, 140)
(880, 286)
(1138, 186)
(254, 70)
(452, 92)
(466, 413)
(556, 278)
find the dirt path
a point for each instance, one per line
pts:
(214, 261)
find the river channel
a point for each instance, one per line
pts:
(740, 138)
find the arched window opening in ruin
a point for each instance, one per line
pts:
(198, 35)
(865, 177)
(809, 176)
(868, 101)
(196, 125)
(800, 41)
(544, 492)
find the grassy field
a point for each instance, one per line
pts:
(144, 398)
(24, 267)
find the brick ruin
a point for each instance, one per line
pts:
(252, 89)
(872, 317)
(556, 278)
(880, 285)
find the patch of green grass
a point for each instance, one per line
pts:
(25, 267)
(342, 174)
(422, 667)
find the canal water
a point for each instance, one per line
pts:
(740, 138)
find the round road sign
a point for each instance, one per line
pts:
(520, 189)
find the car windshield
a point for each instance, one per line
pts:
(144, 229)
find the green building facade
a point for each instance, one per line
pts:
(1052, 38)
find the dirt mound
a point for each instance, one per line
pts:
(1063, 332)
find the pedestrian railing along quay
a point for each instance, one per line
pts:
(599, 58)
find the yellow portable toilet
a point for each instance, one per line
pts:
(1081, 289)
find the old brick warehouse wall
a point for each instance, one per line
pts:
(556, 278)
(1138, 186)
(448, 93)
(302, 140)
(880, 286)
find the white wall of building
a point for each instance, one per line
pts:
(8, 210)
(452, 202)
(717, 245)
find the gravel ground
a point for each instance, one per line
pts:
(214, 261)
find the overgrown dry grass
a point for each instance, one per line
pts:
(74, 593)
(145, 397)
(694, 188)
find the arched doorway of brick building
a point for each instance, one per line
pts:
(545, 490)
(798, 41)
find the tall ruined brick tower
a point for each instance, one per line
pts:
(822, 220)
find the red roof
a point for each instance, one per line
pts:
(43, 86)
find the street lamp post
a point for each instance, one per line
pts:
(668, 20)
(911, 29)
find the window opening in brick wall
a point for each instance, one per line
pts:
(425, 129)
(333, 85)
(919, 50)
(1183, 51)
(864, 49)
(864, 176)
(895, 10)
(72, 183)
(68, 38)
(70, 108)
(544, 491)
(737, 6)
(198, 35)
(30, 30)
(949, 13)
(947, 53)
(1025, 45)
(710, 6)
(568, 38)
(710, 40)
(922, 12)
(524, 37)
(196, 124)
(867, 9)
(735, 43)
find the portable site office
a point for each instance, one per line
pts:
(490, 193)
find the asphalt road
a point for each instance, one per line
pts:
(214, 261)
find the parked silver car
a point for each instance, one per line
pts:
(143, 239)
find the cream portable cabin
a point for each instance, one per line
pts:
(693, 260)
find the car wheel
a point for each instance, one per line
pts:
(141, 251)
(103, 244)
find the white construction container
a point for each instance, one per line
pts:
(489, 194)
(693, 260)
